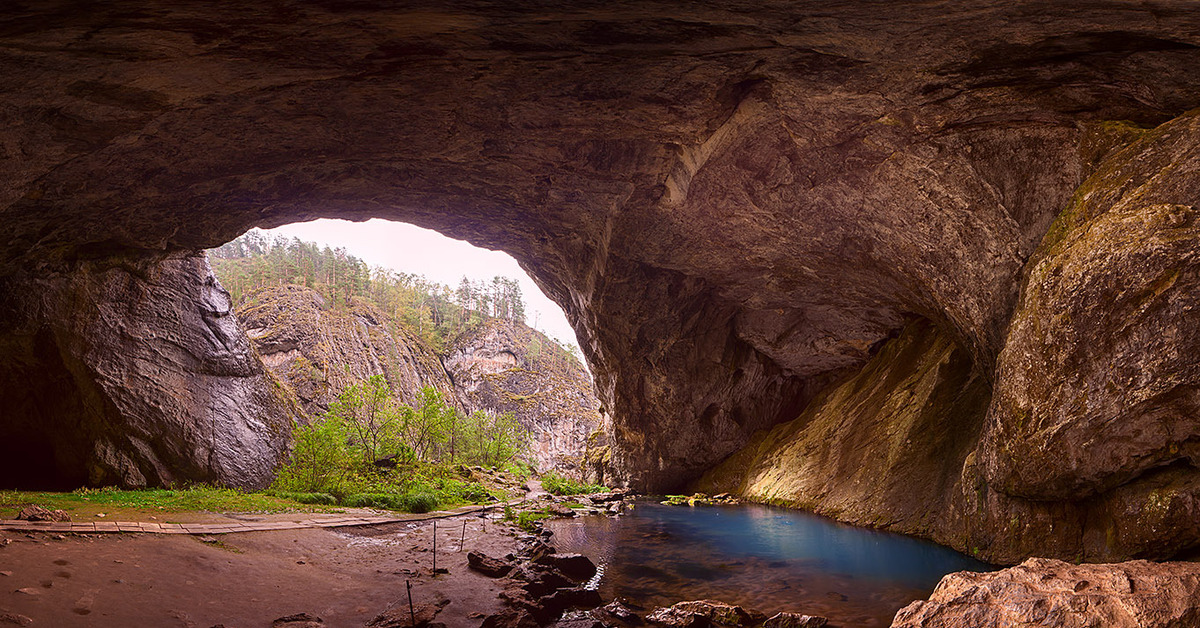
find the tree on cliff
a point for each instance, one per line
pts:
(371, 419)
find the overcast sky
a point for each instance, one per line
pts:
(406, 248)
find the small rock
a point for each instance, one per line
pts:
(794, 620)
(59, 537)
(37, 513)
(5, 573)
(574, 566)
(621, 611)
(299, 620)
(487, 565)
(5, 542)
(703, 613)
(564, 599)
(559, 510)
(28, 591)
(15, 619)
(399, 617)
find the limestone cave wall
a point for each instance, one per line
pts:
(737, 206)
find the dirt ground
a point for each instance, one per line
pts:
(346, 576)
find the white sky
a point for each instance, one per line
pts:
(410, 249)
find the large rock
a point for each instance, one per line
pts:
(1101, 366)
(1086, 451)
(134, 374)
(319, 350)
(1043, 593)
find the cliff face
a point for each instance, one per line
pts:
(737, 205)
(134, 374)
(1086, 448)
(508, 367)
(319, 350)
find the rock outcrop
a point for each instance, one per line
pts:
(509, 367)
(736, 205)
(136, 374)
(1053, 594)
(319, 350)
(1086, 450)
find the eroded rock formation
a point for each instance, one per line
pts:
(737, 206)
(318, 350)
(1051, 593)
(509, 367)
(133, 373)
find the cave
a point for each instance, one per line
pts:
(740, 208)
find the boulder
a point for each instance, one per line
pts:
(38, 513)
(794, 620)
(488, 566)
(298, 620)
(574, 566)
(703, 613)
(1045, 593)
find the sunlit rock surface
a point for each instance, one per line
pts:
(736, 205)
(1053, 594)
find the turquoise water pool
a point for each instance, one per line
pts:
(768, 559)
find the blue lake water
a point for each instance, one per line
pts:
(768, 559)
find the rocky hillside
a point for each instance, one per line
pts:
(318, 349)
(508, 367)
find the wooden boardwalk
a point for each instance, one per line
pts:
(309, 520)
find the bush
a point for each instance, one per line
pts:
(319, 458)
(419, 502)
(528, 521)
(382, 501)
(560, 485)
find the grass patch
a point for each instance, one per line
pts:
(196, 498)
(560, 485)
(528, 520)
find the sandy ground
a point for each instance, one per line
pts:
(346, 576)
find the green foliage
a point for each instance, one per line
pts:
(204, 498)
(431, 310)
(527, 520)
(320, 458)
(307, 498)
(419, 502)
(408, 502)
(561, 485)
(371, 419)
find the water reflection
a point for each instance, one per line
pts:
(763, 558)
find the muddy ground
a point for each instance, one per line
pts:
(346, 576)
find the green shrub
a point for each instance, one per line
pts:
(419, 502)
(319, 458)
(527, 520)
(371, 500)
(559, 485)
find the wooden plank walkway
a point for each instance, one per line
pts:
(310, 520)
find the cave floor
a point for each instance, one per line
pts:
(347, 576)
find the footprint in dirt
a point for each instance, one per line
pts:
(83, 606)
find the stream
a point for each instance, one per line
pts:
(761, 558)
